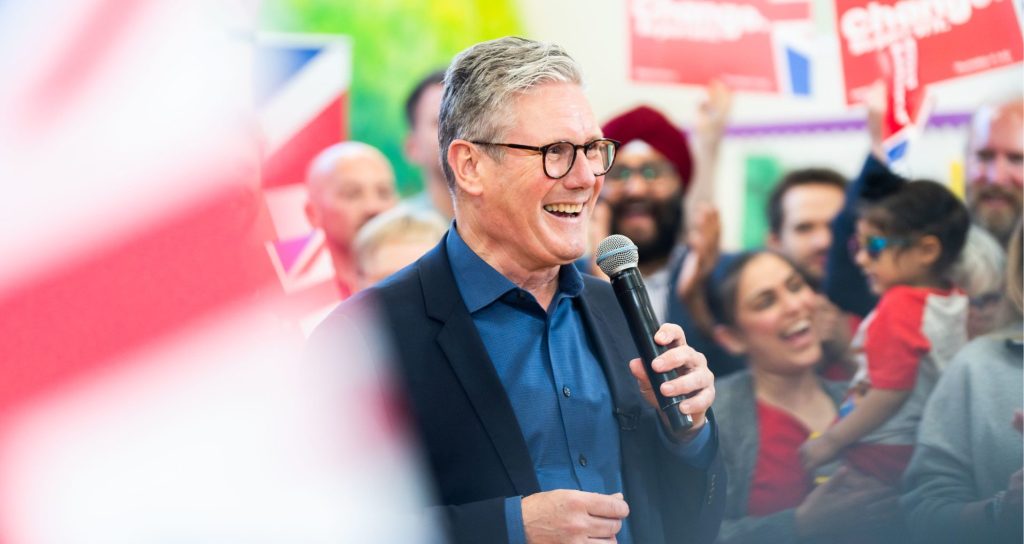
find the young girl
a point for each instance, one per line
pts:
(907, 243)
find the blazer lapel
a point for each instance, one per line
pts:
(465, 351)
(613, 358)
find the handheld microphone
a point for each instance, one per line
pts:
(617, 256)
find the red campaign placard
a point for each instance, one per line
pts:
(913, 43)
(694, 42)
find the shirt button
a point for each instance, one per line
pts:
(566, 391)
(583, 460)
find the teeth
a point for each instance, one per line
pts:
(798, 327)
(564, 208)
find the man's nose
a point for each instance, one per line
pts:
(581, 175)
(999, 170)
(822, 237)
(861, 257)
(379, 205)
(636, 185)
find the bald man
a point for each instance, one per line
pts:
(995, 168)
(349, 183)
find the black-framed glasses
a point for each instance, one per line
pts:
(648, 171)
(558, 158)
(874, 245)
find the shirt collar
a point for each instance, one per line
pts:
(480, 284)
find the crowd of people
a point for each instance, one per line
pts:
(858, 378)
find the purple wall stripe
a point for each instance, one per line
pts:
(746, 131)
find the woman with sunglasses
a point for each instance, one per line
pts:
(907, 245)
(764, 310)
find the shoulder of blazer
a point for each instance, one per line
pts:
(424, 288)
(599, 294)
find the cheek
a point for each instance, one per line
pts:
(339, 209)
(803, 241)
(349, 208)
(663, 190)
(757, 327)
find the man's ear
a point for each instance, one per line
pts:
(311, 214)
(729, 339)
(928, 249)
(465, 161)
(772, 241)
(409, 147)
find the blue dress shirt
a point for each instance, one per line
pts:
(554, 382)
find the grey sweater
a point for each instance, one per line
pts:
(736, 415)
(966, 446)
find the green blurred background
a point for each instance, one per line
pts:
(395, 43)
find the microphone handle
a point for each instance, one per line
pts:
(632, 295)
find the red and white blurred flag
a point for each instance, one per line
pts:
(301, 99)
(150, 390)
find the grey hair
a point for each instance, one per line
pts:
(481, 83)
(981, 267)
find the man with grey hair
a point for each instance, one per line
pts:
(994, 167)
(538, 421)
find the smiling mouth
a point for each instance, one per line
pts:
(797, 330)
(564, 210)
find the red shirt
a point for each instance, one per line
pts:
(779, 481)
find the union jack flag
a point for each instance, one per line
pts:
(301, 94)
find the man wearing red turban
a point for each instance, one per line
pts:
(645, 189)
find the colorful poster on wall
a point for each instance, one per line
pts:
(914, 43)
(761, 173)
(751, 45)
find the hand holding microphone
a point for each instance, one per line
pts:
(674, 377)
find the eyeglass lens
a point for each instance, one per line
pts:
(647, 171)
(873, 246)
(559, 157)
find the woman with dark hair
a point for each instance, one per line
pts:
(764, 308)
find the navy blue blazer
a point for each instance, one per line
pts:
(474, 448)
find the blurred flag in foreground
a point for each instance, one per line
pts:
(150, 390)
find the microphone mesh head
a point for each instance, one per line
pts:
(616, 253)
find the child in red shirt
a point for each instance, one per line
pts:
(907, 244)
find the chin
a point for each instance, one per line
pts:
(566, 254)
